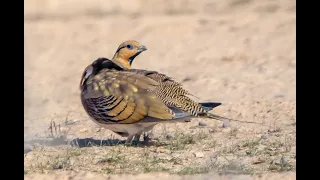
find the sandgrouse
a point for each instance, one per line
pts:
(132, 101)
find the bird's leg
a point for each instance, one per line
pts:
(129, 139)
(146, 138)
(137, 136)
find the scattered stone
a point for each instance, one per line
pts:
(226, 124)
(258, 161)
(202, 123)
(199, 154)
(264, 137)
(273, 167)
(169, 136)
(284, 160)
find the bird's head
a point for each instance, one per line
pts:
(126, 53)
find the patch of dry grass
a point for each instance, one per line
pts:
(225, 150)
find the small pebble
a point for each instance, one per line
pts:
(202, 123)
(169, 136)
(284, 160)
(199, 154)
(265, 137)
(226, 124)
(212, 130)
(259, 160)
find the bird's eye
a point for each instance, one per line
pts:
(129, 46)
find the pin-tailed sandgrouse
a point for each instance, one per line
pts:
(132, 101)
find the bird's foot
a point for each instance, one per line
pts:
(135, 139)
(146, 138)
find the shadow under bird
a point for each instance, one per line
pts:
(132, 101)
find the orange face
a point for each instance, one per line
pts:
(126, 53)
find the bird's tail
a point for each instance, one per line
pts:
(208, 106)
(220, 118)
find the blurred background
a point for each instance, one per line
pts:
(232, 51)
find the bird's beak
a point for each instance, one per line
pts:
(142, 48)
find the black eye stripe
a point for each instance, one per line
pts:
(120, 49)
(131, 47)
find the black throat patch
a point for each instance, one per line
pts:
(132, 57)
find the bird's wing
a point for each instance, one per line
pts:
(172, 93)
(123, 97)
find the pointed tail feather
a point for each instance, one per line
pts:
(220, 118)
(208, 106)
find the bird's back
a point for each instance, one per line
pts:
(172, 93)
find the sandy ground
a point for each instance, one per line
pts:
(238, 52)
